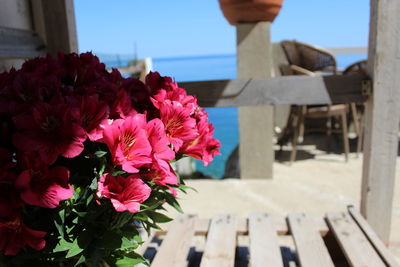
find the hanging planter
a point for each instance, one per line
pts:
(236, 11)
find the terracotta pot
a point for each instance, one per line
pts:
(236, 11)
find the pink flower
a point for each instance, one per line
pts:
(125, 193)
(159, 141)
(44, 187)
(14, 236)
(179, 126)
(122, 106)
(128, 143)
(93, 116)
(51, 130)
(204, 147)
(156, 82)
(161, 173)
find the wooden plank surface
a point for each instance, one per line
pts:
(299, 90)
(16, 43)
(311, 249)
(382, 116)
(355, 246)
(202, 226)
(264, 246)
(175, 247)
(220, 245)
(381, 249)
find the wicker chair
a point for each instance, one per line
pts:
(305, 59)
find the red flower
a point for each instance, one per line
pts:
(122, 107)
(180, 127)
(156, 82)
(159, 141)
(44, 187)
(161, 173)
(93, 116)
(204, 147)
(14, 236)
(128, 143)
(51, 130)
(125, 193)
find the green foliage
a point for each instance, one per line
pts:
(86, 230)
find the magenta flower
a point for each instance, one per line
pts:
(44, 187)
(93, 116)
(161, 173)
(179, 126)
(125, 193)
(51, 130)
(128, 143)
(159, 141)
(122, 107)
(15, 236)
(204, 147)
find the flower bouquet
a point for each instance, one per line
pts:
(85, 160)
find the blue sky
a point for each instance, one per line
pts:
(174, 28)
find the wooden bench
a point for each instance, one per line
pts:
(339, 239)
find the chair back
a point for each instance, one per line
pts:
(357, 67)
(309, 57)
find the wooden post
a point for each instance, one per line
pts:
(54, 20)
(14, 14)
(382, 116)
(255, 123)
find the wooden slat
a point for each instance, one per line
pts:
(311, 249)
(176, 244)
(264, 247)
(382, 250)
(16, 43)
(300, 90)
(221, 242)
(355, 246)
(382, 115)
(202, 225)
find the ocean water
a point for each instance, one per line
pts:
(213, 67)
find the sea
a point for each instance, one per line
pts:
(211, 67)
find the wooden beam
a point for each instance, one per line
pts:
(254, 60)
(297, 90)
(382, 116)
(15, 43)
(55, 21)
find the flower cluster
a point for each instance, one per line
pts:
(79, 140)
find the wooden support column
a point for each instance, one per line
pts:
(54, 20)
(382, 116)
(255, 123)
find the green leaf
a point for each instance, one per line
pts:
(100, 153)
(93, 184)
(63, 245)
(74, 250)
(159, 217)
(173, 202)
(126, 243)
(129, 262)
(82, 259)
(120, 172)
(185, 187)
(89, 199)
